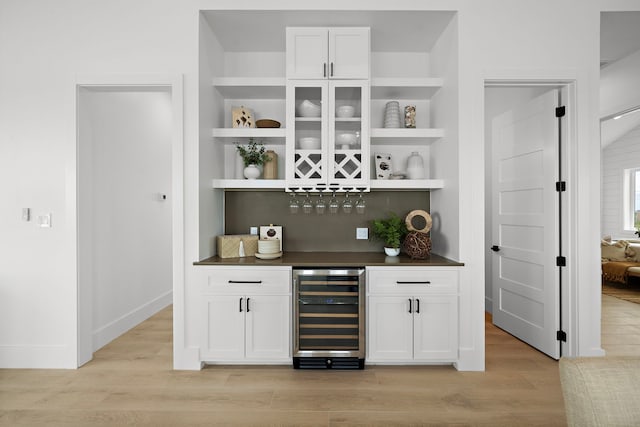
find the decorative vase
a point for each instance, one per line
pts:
(415, 166)
(391, 251)
(271, 165)
(251, 172)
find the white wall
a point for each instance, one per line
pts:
(497, 100)
(616, 157)
(128, 229)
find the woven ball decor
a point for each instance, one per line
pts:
(417, 245)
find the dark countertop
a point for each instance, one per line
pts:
(335, 259)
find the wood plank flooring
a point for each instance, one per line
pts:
(131, 382)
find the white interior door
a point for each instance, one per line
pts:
(525, 222)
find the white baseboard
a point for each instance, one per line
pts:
(36, 357)
(488, 305)
(119, 326)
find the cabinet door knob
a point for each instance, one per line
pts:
(240, 306)
(410, 302)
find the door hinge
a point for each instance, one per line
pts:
(561, 336)
(560, 111)
(561, 261)
(561, 186)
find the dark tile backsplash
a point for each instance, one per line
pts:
(313, 232)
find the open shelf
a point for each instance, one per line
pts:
(404, 88)
(251, 87)
(227, 135)
(406, 184)
(249, 184)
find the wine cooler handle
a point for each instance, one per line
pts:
(417, 305)
(248, 299)
(240, 306)
(410, 311)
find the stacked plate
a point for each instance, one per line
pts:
(392, 114)
(269, 249)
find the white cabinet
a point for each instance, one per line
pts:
(328, 53)
(412, 314)
(247, 315)
(326, 145)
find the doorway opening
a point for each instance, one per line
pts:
(525, 210)
(129, 141)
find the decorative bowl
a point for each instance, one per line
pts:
(267, 123)
(308, 109)
(346, 138)
(345, 111)
(309, 143)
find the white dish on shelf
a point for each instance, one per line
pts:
(268, 256)
(346, 138)
(309, 109)
(345, 111)
(309, 143)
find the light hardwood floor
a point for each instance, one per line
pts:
(130, 382)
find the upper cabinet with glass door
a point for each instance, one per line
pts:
(328, 53)
(328, 135)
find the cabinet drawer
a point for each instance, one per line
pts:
(254, 280)
(413, 281)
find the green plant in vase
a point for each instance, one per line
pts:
(392, 231)
(253, 155)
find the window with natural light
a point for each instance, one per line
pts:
(632, 199)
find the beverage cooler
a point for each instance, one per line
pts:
(329, 318)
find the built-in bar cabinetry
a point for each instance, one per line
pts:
(412, 314)
(331, 55)
(246, 314)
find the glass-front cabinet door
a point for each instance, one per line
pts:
(328, 133)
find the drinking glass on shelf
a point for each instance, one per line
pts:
(294, 205)
(307, 205)
(360, 204)
(334, 206)
(321, 205)
(347, 205)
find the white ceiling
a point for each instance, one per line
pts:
(263, 31)
(619, 35)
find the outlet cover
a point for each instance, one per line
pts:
(362, 233)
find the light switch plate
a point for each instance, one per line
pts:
(362, 233)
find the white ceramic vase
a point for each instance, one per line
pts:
(251, 172)
(415, 166)
(391, 251)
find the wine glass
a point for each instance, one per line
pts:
(321, 205)
(334, 206)
(307, 205)
(347, 206)
(294, 205)
(360, 204)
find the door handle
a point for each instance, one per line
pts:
(332, 69)
(240, 306)
(417, 305)
(324, 69)
(248, 299)
(410, 311)
(495, 248)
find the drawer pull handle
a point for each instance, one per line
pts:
(245, 281)
(399, 282)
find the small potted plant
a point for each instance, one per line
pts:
(253, 155)
(392, 231)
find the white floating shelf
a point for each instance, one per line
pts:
(251, 87)
(249, 184)
(407, 136)
(404, 88)
(249, 132)
(406, 184)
